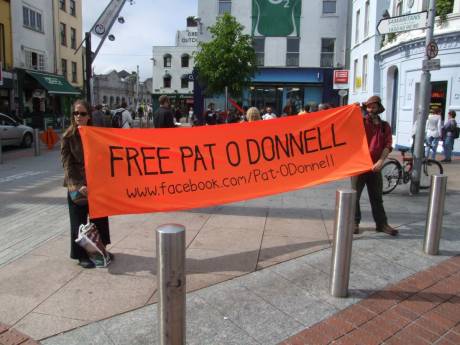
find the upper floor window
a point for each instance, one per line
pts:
(62, 4)
(73, 38)
(167, 60)
(366, 19)
(63, 31)
(225, 6)
(184, 82)
(327, 52)
(72, 8)
(329, 7)
(356, 79)
(185, 60)
(358, 15)
(167, 81)
(34, 60)
(364, 76)
(292, 51)
(32, 19)
(259, 47)
(74, 72)
(64, 67)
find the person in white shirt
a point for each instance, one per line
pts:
(269, 115)
(127, 120)
(433, 132)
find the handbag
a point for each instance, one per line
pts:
(78, 198)
(90, 240)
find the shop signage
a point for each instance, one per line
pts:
(403, 23)
(187, 38)
(276, 17)
(341, 79)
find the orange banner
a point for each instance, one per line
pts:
(146, 170)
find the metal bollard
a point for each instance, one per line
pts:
(170, 245)
(345, 205)
(434, 215)
(36, 142)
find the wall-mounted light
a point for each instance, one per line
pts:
(121, 20)
(111, 38)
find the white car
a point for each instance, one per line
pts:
(15, 134)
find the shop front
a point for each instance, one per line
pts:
(180, 101)
(45, 99)
(298, 87)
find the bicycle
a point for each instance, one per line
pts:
(394, 173)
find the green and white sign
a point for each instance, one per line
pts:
(276, 17)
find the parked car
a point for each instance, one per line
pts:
(15, 134)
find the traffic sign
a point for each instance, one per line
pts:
(431, 65)
(406, 22)
(432, 50)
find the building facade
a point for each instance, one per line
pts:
(365, 43)
(173, 67)
(114, 88)
(43, 97)
(298, 43)
(68, 35)
(6, 57)
(400, 69)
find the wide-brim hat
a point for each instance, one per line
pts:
(377, 100)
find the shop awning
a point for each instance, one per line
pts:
(53, 83)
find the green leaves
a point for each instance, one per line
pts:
(228, 59)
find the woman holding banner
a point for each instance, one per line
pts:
(75, 181)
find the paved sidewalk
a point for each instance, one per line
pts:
(422, 309)
(43, 293)
(268, 306)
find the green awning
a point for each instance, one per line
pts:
(53, 83)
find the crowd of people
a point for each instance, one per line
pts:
(214, 116)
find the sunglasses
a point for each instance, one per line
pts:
(81, 113)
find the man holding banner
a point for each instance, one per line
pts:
(379, 139)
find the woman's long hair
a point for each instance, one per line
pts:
(73, 125)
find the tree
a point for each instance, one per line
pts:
(228, 59)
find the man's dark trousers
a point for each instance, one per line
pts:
(374, 183)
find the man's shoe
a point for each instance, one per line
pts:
(86, 263)
(356, 229)
(111, 256)
(446, 161)
(388, 230)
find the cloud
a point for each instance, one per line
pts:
(147, 23)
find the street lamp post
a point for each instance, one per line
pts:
(425, 92)
(88, 68)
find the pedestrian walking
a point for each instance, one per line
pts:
(124, 116)
(379, 139)
(433, 132)
(450, 132)
(163, 117)
(75, 180)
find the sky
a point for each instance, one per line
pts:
(147, 23)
